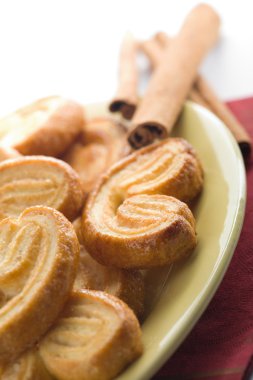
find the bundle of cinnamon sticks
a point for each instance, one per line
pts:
(175, 62)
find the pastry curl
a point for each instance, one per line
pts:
(37, 180)
(128, 222)
(96, 337)
(28, 366)
(38, 262)
(128, 285)
(102, 143)
(47, 126)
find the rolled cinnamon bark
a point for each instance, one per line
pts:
(154, 50)
(126, 98)
(173, 78)
(204, 95)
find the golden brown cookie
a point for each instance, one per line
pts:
(38, 262)
(96, 338)
(128, 285)
(47, 126)
(28, 366)
(102, 143)
(38, 180)
(128, 222)
(170, 167)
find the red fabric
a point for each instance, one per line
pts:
(220, 346)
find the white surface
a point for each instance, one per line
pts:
(70, 47)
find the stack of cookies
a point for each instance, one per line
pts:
(81, 220)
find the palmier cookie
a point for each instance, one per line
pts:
(102, 143)
(38, 262)
(128, 285)
(47, 126)
(29, 366)
(38, 180)
(96, 337)
(129, 224)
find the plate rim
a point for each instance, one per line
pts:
(217, 275)
(204, 297)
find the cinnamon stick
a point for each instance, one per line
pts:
(204, 95)
(173, 78)
(153, 50)
(126, 97)
(163, 41)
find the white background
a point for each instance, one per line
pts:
(70, 47)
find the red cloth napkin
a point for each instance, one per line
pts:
(220, 347)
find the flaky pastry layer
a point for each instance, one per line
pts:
(38, 180)
(38, 262)
(28, 366)
(131, 219)
(102, 143)
(128, 285)
(47, 126)
(96, 337)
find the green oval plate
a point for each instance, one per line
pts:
(219, 213)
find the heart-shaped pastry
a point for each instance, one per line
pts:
(130, 223)
(38, 180)
(128, 285)
(47, 126)
(38, 262)
(96, 337)
(102, 143)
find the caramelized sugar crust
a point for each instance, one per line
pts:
(38, 262)
(96, 337)
(128, 285)
(38, 180)
(47, 126)
(28, 366)
(102, 143)
(133, 220)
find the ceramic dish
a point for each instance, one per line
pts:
(219, 212)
